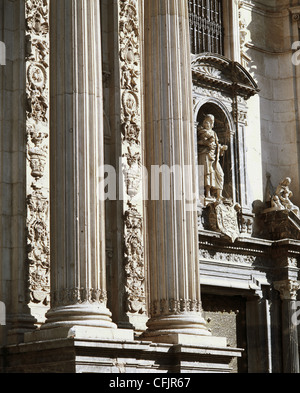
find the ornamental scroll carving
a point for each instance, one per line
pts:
(130, 84)
(37, 130)
(134, 259)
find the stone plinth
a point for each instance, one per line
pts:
(281, 224)
(86, 355)
(80, 333)
(191, 339)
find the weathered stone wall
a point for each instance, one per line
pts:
(273, 115)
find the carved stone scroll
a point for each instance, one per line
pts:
(37, 76)
(130, 86)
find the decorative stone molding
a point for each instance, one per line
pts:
(232, 77)
(288, 289)
(73, 296)
(206, 92)
(219, 256)
(131, 124)
(37, 127)
(172, 306)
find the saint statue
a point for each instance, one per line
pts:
(210, 151)
(281, 199)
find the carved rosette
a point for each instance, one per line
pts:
(130, 85)
(37, 129)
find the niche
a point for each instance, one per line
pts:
(224, 132)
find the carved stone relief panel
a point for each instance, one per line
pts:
(37, 127)
(131, 121)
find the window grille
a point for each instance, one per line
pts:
(206, 26)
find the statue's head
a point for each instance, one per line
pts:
(286, 182)
(208, 122)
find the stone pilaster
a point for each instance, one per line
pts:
(13, 266)
(130, 54)
(175, 303)
(78, 276)
(37, 177)
(288, 290)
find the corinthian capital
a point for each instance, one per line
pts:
(288, 289)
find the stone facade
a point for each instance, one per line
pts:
(149, 190)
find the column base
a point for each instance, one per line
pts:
(86, 314)
(79, 333)
(18, 326)
(189, 339)
(160, 329)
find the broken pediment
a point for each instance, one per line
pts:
(219, 72)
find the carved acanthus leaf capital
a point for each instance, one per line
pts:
(288, 289)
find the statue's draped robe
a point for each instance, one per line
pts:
(209, 150)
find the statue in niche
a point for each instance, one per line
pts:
(281, 199)
(210, 151)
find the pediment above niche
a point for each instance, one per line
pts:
(223, 74)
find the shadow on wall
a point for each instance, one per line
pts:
(269, 61)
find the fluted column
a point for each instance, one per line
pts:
(78, 277)
(288, 293)
(175, 303)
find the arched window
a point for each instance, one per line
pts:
(206, 26)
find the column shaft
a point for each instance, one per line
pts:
(288, 293)
(172, 219)
(289, 338)
(78, 276)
